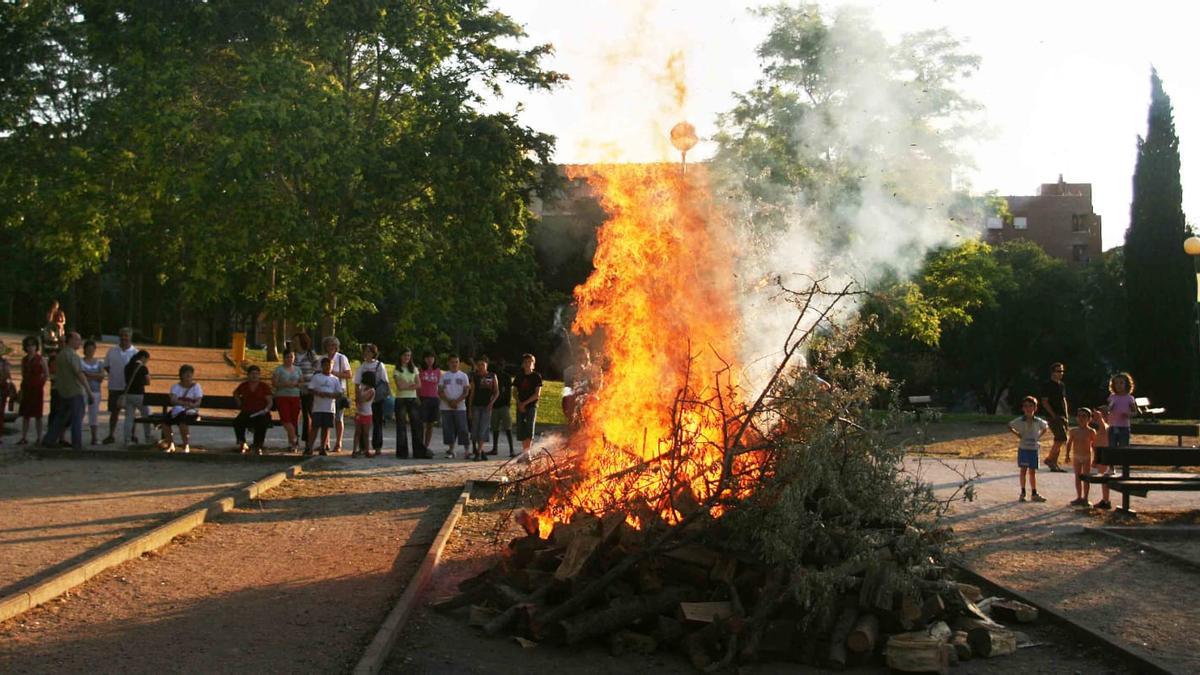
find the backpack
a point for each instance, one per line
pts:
(382, 390)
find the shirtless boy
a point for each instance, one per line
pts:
(1100, 424)
(1081, 440)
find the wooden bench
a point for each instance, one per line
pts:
(1179, 431)
(1144, 408)
(221, 403)
(1125, 458)
(922, 406)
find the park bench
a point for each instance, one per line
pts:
(1179, 431)
(227, 405)
(1141, 456)
(1147, 410)
(922, 407)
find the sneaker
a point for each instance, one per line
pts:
(187, 449)
(1103, 504)
(109, 441)
(324, 450)
(308, 452)
(170, 447)
(1022, 498)
(1035, 497)
(243, 448)
(449, 454)
(258, 451)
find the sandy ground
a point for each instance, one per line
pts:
(53, 511)
(972, 440)
(1040, 550)
(297, 582)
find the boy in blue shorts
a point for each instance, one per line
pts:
(1030, 430)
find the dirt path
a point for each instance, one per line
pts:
(297, 582)
(1136, 598)
(54, 511)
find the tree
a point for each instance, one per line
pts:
(1160, 286)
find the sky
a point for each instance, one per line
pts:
(1065, 84)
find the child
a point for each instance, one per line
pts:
(255, 399)
(484, 390)
(1121, 408)
(1100, 424)
(364, 397)
(185, 403)
(1081, 439)
(1030, 430)
(34, 371)
(93, 370)
(452, 391)
(326, 390)
(7, 392)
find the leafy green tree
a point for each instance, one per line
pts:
(1160, 286)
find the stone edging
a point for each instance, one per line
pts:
(29, 597)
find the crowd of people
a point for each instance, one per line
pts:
(1106, 425)
(309, 394)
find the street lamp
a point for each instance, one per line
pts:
(1191, 246)
(683, 137)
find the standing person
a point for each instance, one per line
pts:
(326, 389)
(1054, 404)
(34, 371)
(73, 393)
(528, 385)
(309, 363)
(364, 413)
(1121, 409)
(93, 370)
(430, 377)
(408, 408)
(501, 413)
(54, 333)
(1100, 424)
(286, 380)
(1082, 439)
(452, 392)
(255, 399)
(8, 391)
(137, 376)
(484, 391)
(341, 370)
(1030, 430)
(115, 360)
(372, 364)
(186, 395)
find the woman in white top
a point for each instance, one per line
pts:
(185, 403)
(341, 370)
(93, 370)
(372, 364)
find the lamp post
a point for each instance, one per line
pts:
(683, 137)
(1191, 246)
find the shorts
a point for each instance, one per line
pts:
(429, 409)
(322, 420)
(501, 419)
(182, 417)
(481, 421)
(363, 420)
(114, 400)
(1027, 459)
(526, 422)
(343, 403)
(1058, 426)
(289, 409)
(454, 427)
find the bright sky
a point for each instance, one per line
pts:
(1065, 83)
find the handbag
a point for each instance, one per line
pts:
(382, 389)
(121, 400)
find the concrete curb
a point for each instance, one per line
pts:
(1175, 558)
(377, 653)
(1142, 664)
(25, 599)
(66, 453)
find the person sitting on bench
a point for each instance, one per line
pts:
(185, 403)
(255, 399)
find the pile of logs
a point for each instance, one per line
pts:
(599, 579)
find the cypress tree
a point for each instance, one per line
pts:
(1159, 280)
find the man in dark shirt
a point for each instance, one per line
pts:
(501, 412)
(1054, 404)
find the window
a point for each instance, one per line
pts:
(1081, 222)
(1079, 253)
(994, 223)
(1021, 223)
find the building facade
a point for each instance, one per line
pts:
(1059, 218)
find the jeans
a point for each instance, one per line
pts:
(408, 410)
(481, 423)
(1118, 437)
(134, 405)
(454, 428)
(305, 413)
(70, 412)
(257, 424)
(93, 408)
(377, 425)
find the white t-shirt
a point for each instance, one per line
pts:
(1031, 431)
(363, 403)
(377, 367)
(114, 362)
(327, 384)
(453, 385)
(194, 393)
(341, 364)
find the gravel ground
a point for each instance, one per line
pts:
(54, 511)
(296, 582)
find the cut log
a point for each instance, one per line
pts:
(987, 638)
(505, 618)
(961, 646)
(1011, 610)
(582, 524)
(618, 614)
(625, 642)
(970, 592)
(910, 653)
(695, 554)
(706, 612)
(940, 630)
(865, 635)
(909, 608)
(837, 639)
(579, 552)
(480, 616)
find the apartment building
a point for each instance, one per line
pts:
(1059, 218)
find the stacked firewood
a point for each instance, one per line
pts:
(598, 579)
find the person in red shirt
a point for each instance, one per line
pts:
(428, 378)
(255, 399)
